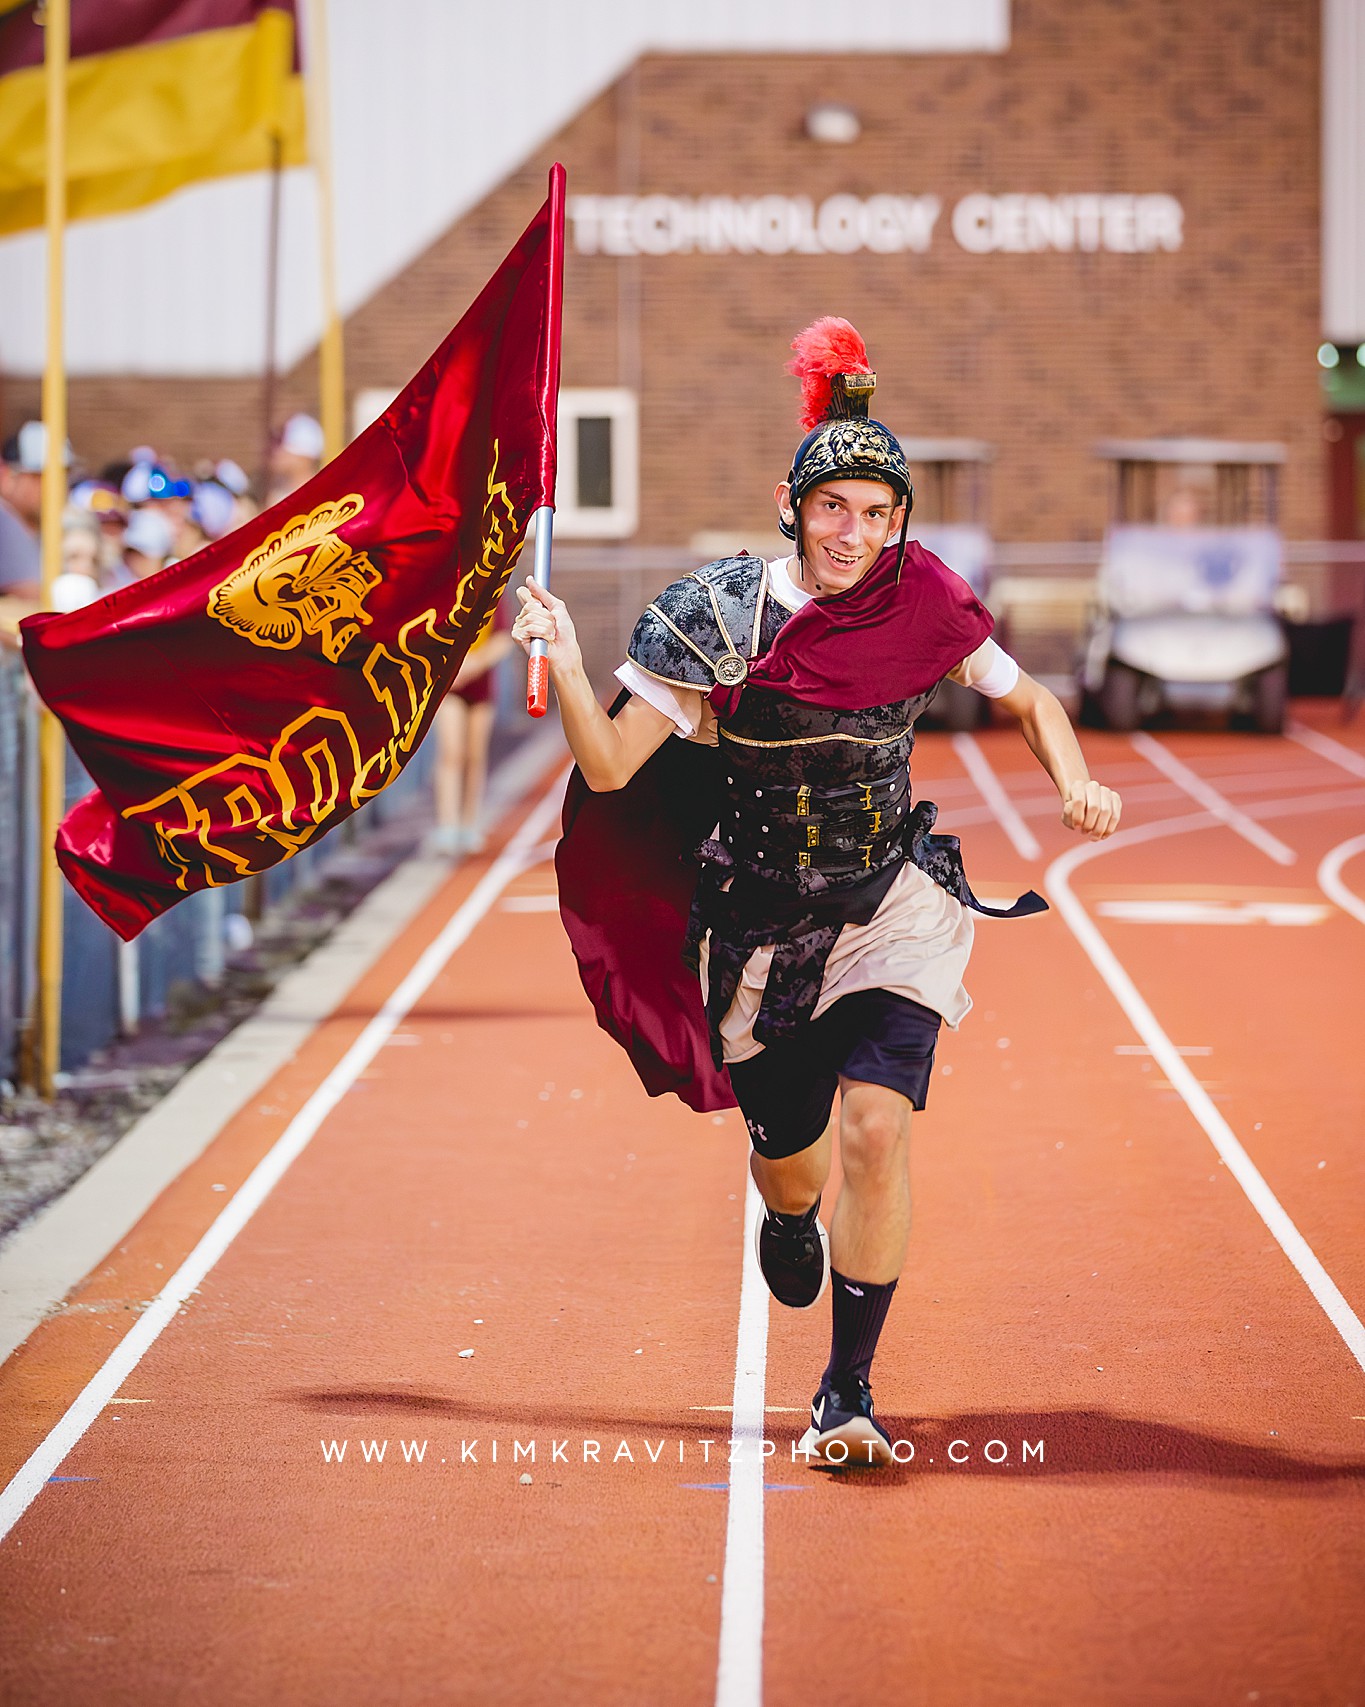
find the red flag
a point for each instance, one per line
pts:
(234, 707)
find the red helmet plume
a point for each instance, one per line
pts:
(827, 347)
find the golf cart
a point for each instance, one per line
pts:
(949, 477)
(1185, 616)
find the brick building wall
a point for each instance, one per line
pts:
(1038, 353)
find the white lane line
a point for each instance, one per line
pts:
(267, 1173)
(992, 791)
(739, 1672)
(1239, 1164)
(1330, 880)
(1214, 912)
(1326, 748)
(1180, 1049)
(1211, 800)
(1335, 800)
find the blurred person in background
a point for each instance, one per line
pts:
(109, 510)
(148, 546)
(21, 481)
(153, 486)
(1185, 508)
(295, 457)
(232, 476)
(211, 517)
(464, 727)
(79, 582)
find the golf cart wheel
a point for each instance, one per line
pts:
(1269, 696)
(1119, 696)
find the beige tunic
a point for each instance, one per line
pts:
(916, 944)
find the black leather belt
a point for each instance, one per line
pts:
(836, 831)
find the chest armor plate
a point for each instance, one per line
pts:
(807, 788)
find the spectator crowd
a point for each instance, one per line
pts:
(139, 515)
(132, 519)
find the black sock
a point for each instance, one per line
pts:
(860, 1308)
(795, 1223)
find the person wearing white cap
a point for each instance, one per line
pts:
(232, 476)
(296, 457)
(21, 478)
(79, 582)
(212, 509)
(147, 546)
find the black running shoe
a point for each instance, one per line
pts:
(843, 1431)
(794, 1259)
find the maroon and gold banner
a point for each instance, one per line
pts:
(240, 703)
(160, 93)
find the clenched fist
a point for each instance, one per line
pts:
(1091, 808)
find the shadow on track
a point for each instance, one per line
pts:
(1092, 1444)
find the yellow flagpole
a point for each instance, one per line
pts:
(52, 743)
(331, 361)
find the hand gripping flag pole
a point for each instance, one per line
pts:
(538, 663)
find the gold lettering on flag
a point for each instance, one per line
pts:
(495, 562)
(220, 825)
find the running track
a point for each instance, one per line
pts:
(1139, 1190)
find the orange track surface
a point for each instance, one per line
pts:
(1083, 1272)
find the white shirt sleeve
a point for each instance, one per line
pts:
(989, 670)
(681, 707)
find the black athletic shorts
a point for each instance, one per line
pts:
(786, 1091)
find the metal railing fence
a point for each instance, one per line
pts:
(105, 982)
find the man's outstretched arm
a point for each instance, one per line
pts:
(608, 750)
(1087, 806)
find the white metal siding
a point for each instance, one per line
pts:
(434, 102)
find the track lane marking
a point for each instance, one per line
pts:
(1211, 800)
(1180, 1049)
(1326, 748)
(1057, 882)
(739, 1667)
(46, 1458)
(1190, 912)
(1331, 882)
(739, 1680)
(992, 791)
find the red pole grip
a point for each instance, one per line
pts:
(537, 686)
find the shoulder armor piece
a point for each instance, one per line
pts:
(704, 628)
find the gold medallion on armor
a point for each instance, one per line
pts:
(730, 670)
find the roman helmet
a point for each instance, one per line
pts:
(842, 442)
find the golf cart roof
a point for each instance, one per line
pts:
(1220, 452)
(947, 450)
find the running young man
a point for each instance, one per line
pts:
(828, 929)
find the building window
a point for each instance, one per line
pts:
(597, 491)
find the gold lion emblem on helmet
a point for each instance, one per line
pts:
(303, 580)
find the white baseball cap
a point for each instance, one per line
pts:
(27, 450)
(302, 436)
(148, 532)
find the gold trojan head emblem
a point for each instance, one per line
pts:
(303, 580)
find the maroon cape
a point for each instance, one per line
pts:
(625, 866)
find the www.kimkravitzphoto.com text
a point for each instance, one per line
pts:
(494, 1450)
